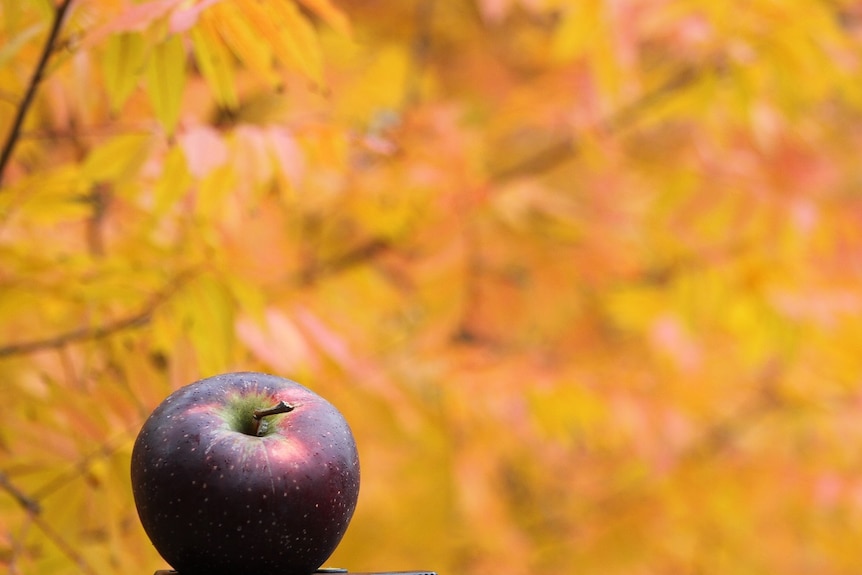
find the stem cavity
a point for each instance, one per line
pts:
(259, 414)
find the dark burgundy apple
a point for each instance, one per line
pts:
(245, 473)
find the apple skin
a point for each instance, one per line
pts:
(217, 500)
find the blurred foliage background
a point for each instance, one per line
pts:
(585, 276)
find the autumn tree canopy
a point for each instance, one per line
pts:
(585, 276)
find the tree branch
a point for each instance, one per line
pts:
(35, 80)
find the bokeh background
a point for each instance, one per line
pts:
(584, 276)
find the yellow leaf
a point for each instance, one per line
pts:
(329, 14)
(244, 41)
(13, 45)
(174, 182)
(118, 159)
(576, 31)
(166, 80)
(380, 86)
(122, 65)
(210, 320)
(248, 296)
(214, 190)
(214, 60)
(289, 33)
(567, 412)
(634, 308)
(56, 196)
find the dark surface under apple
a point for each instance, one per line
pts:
(217, 499)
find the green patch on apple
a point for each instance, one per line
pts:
(243, 413)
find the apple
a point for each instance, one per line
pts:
(245, 473)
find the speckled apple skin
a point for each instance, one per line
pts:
(215, 501)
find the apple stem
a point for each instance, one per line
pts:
(259, 414)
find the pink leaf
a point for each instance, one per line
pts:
(204, 148)
(287, 154)
(327, 340)
(253, 164)
(136, 18)
(184, 18)
(361, 370)
(493, 11)
(669, 336)
(828, 488)
(277, 342)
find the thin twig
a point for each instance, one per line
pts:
(420, 51)
(84, 464)
(35, 80)
(359, 254)
(30, 504)
(567, 147)
(140, 319)
(64, 546)
(630, 114)
(467, 331)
